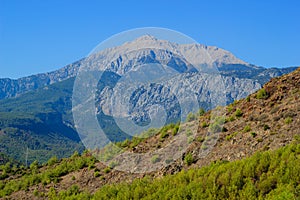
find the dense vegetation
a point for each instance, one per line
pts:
(36, 174)
(37, 125)
(265, 175)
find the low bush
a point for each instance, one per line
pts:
(238, 113)
(247, 128)
(262, 94)
(188, 159)
(288, 120)
(253, 134)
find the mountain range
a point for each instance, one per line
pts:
(226, 63)
(36, 112)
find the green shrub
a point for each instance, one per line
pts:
(176, 129)
(273, 133)
(248, 98)
(238, 113)
(36, 193)
(107, 170)
(34, 167)
(155, 159)
(262, 94)
(266, 127)
(229, 137)
(231, 118)
(188, 159)
(201, 112)
(230, 108)
(135, 141)
(75, 155)
(235, 102)
(164, 134)
(73, 190)
(200, 139)
(247, 128)
(52, 161)
(91, 166)
(288, 120)
(253, 134)
(191, 117)
(125, 143)
(260, 140)
(204, 125)
(297, 138)
(189, 132)
(97, 174)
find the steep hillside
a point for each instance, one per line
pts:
(254, 127)
(42, 119)
(38, 125)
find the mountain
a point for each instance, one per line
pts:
(255, 156)
(36, 111)
(12, 88)
(200, 55)
(38, 124)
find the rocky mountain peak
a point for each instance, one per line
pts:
(142, 50)
(146, 37)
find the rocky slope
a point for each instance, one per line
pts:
(265, 120)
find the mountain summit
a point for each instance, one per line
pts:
(190, 54)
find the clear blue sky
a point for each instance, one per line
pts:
(40, 36)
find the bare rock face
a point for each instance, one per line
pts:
(172, 94)
(120, 61)
(160, 74)
(12, 88)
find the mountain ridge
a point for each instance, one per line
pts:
(211, 55)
